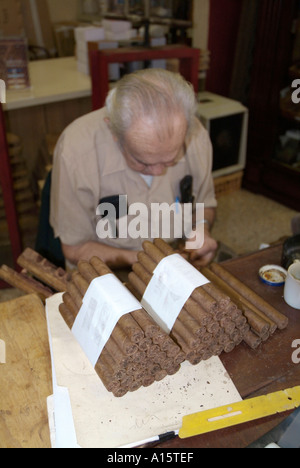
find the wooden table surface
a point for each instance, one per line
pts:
(25, 379)
(265, 370)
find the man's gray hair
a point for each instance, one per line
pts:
(156, 94)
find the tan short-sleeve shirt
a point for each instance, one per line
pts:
(89, 167)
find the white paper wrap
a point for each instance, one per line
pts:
(173, 282)
(104, 303)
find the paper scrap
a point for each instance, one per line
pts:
(172, 284)
(2, 352)
(104, 303)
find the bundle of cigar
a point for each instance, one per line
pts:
(43, 270)
(262, 318)
(25, 283)
(39, 276)
(208, 324)
(138, 352)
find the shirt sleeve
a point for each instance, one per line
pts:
(73, 197)
(200, 159)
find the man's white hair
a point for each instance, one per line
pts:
(154, 94)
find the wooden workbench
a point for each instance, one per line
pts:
(266, 370)
(25, 378)
(25, 381)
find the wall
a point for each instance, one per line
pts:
(62, 10)
(201, 23)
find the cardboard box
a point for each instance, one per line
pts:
(64, 33)
(11, 19)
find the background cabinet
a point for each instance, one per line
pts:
(267, 171)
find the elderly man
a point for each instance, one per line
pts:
(142, 145)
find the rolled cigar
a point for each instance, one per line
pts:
(145, 344)
(280, 319)
(160, 375)
(106, 360)
(217, 294)
(138, 357)
(119, 393)
(240, 301)
(118, 355)
(172, 370)
(257, 323)
(67, 315)
(172, 350)
(67, 298)
(153, 351)
(110, 385)
(128, 347)
(80, 282)
(236, 336)
(147, 324)
(228, 325)
(106, 374)
(179, 358)
(252, 340)
(101, 268)
(87, 271)
(160, 358)
(217, 349)
(42, 269)
(153, 368)
(135, 386)
(148, 380)
(75, 294)
(229, 346)
(24, 283)
(164, 247)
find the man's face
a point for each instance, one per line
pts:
(147, 153)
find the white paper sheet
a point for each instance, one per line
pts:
(103, 421)
(104, 303)
(173, 282)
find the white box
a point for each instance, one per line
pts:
(83, 58)
(116, 26)
(226, 121)
(89, 33)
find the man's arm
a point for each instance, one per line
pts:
(204, 254)
(113, 257)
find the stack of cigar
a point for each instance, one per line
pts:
(39, 276)
(208, 324)
(262, 318)
(138, 353)
(43, 270)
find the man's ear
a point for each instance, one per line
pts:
(107, 121)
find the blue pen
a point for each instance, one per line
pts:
(177, 205)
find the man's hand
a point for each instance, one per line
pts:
(206, 252)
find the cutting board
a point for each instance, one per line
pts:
(99, 420)
(25, 374)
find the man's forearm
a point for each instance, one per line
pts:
(113, 257)
(210, 216)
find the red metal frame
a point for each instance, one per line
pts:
(100, 60)
(6, 182)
